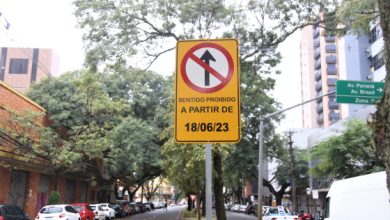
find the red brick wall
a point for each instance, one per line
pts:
(30, 202)
(5, 181)
(11, 99)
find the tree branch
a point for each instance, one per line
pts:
(156, 56)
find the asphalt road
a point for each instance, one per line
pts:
(173, 213)
(176, 213)
(239, 216)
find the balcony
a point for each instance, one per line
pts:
(317, 64)
(316, 33)
(331, 69)
(317, 75)
(331, 82)
(320, 119)
(331, 59)
(330, 48)
(330, 39)
(319, 108)
(316, 43)
(317, 53)
(318, 85)
(319, 94)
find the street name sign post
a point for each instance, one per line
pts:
(358, 92)
(207, 107)
(207, 97)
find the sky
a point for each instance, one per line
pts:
(51, 24)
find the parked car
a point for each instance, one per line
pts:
(119, 210)
(235, 208)
(148, 206)
(108, 211)
(85, 211)
(58, 212)
(278, 213)
(98, 210)
(158, 205)
(141, 206)
(251, 209)
(242, 208)
(12, 212)
(126, 207)
(134, 208)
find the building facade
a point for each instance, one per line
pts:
(21, 67)
(25, 179)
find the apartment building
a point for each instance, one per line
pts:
(21, 67)
(325, 59)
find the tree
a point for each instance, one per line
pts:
(105, 121)
(151, 187)
(381, 122)
(29, 136)
(356, 17)
(348, 154)
(117, 30)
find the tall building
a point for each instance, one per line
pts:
(375, 53)
(324, 60)
(21, 67)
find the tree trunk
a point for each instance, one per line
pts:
(218, 186)
(381, 123)
(189, 202)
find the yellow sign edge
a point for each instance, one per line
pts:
(238, 91)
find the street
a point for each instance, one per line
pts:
(176, 213)
(173, 213)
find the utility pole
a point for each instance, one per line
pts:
(289, 135)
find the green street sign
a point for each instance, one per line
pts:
(358, 92)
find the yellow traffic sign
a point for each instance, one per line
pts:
(207, 102)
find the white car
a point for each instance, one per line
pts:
(108, 211)
(99, 213)
(58, 212)
(278, 213)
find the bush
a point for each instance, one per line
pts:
(54, 198)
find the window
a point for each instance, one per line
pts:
(330, 48)
(326, 208)
(331, 69)
(377, 61)
(376, 33)
(18, 66)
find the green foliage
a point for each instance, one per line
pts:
(356, 15)
(347, 155)
(107, 118)
(54, 198)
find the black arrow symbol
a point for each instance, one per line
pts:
(207, 57)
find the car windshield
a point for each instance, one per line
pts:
(51, 210)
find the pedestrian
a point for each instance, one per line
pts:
(166, 206)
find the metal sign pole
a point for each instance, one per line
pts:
(260, 174)
(209, 177)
